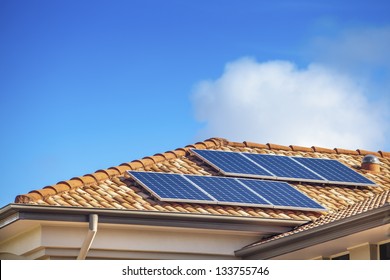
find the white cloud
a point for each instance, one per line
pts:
(278, 103)
(360, 52)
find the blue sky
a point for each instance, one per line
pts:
(86, 85)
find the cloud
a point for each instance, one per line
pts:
(278, 102)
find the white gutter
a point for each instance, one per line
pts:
(92, 230)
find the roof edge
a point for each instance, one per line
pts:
(317, 235)
(155, 218)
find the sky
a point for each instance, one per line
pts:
(86, 85)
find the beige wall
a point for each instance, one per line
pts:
(20, 244)
(362, 245)
(62, 240)
(363, 252)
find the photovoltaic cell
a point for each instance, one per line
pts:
(227, 190)
(334, 171)
(231, 163)
(170, 186)
(282, 195)
(284, 167)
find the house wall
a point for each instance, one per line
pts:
(47, 240)
(363, 252)
(20, 244)
(360, 246)
(143, 242)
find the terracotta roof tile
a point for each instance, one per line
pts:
(384, 154)
(62, 202)
(51, 201)
(278, 147)
(346, 152)
(364, 152)
(121, 168)
(255, 145)
(300, 149)
(45, 192)
(99, 175)
(198, 145)
(361, 207)
(323, 150)
(109, 172)
(236, 144)
(85, 180)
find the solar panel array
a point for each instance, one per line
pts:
(283, 168)
(224, 191)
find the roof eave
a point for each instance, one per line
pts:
(357, 223)
(14, 212)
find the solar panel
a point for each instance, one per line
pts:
(335, 172)
(170, 187)
(230, 163)
(228, 190)
(224, 191)
(287, 168)
(284, 167)
(282, 195)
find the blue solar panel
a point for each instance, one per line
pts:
(284, 167)
(230, 163)
(334, 171)
(227, 190)
(282, 195)
(222, 190)
(170, 187)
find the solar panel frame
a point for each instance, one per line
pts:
(139, 177)
(282, 195)
(266, 174)
(347, 171)
(283, 166)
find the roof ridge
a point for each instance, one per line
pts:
(104, 174)
(297, 148)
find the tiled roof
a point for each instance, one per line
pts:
(112, 187)
(378, 200)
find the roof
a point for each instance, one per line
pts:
(113, 188)
(375, 202)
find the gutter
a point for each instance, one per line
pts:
(147, 218)
(92, 230)
(357, 223)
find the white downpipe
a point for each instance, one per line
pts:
(92, 230)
